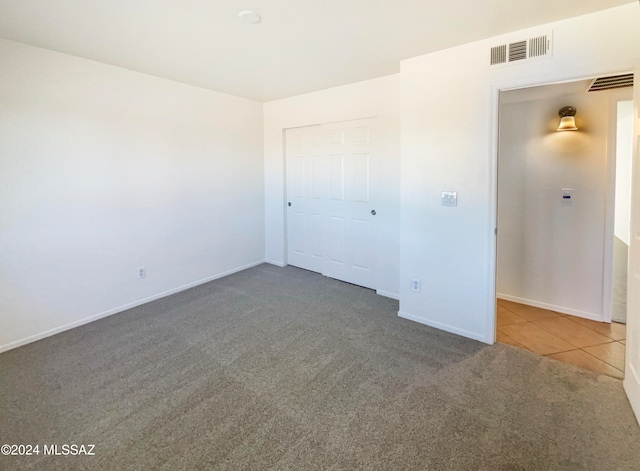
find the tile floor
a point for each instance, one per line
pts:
(592, 345)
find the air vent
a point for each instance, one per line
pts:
(609, 83)
(518, 51)
(499, 54)
(538, 47)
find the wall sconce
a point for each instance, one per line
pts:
(567, 120)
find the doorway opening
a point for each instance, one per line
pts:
(555, 241)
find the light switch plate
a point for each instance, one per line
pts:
(449, 198)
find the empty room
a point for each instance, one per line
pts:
(289, 235)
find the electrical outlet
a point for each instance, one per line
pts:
(415, 285)
(142, 273)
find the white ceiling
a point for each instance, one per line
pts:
(300, 45)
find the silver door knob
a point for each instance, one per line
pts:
(373, 212)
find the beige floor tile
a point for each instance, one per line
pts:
(536, 339)
(504, 338)
(502, 302)
(611, 353)
(529, 313)
(588, 362)
(614, 330)
(572, 332)
(506, 317)
(601, 346)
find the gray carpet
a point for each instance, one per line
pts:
(280, 368)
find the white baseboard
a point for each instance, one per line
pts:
(551, 307)
(445, 327)
(388, 294)
(278, 264)
(95, 317)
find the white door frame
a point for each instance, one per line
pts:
(609, 228)
(496, 88)
(632, 354)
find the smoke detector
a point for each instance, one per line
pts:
(250, 17)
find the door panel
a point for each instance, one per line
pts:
(632, 363)
(361, 135)
(336, 178)
(353, 142)
(297, 173)
(361, 177)
(304, 190)
(336, 241)
(361, 252)
(335, 137)
(319, 179)
(317, 229)
(329, 182)
(298, 239)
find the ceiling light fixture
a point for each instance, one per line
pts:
(249, 16)
(567, 119)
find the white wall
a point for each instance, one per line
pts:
(449, 143)
(551, 250)
(378, 97)
(624, 157)
(104, 170)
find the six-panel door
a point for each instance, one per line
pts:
(330, 221)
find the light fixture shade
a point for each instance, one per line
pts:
(567, 119)
(567, 123)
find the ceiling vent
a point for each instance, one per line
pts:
(609, 83)
(538, 47)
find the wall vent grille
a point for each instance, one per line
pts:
(609, 83)
(499, 54)
(538, 47)
(518, 51)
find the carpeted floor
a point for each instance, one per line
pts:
(280, 368)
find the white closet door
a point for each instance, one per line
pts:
(632, 361)
(330, 218)
(349, 242)
(306, 171)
